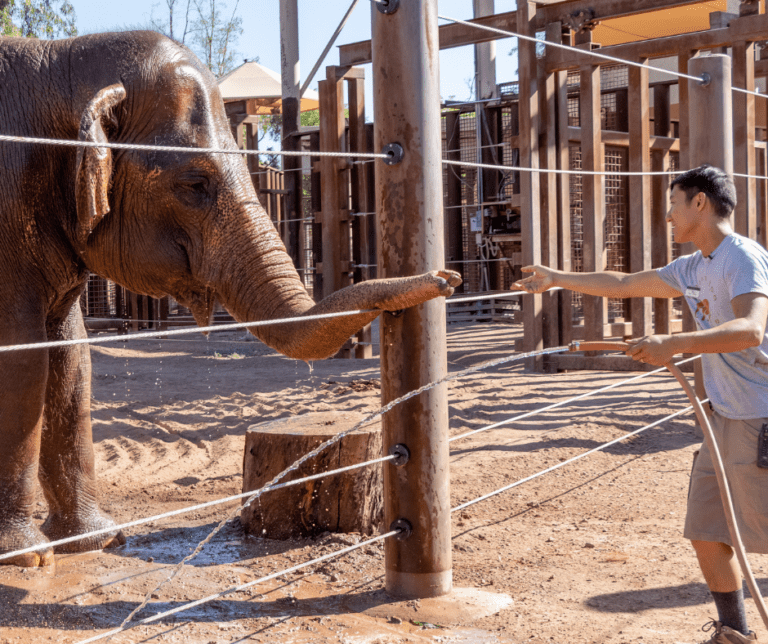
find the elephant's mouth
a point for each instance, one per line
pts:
(201, 303)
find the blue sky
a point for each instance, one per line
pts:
(317, 22)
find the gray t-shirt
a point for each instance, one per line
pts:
(736, 383)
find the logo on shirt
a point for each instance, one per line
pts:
(702, 310)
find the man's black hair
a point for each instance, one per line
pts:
(716, 184)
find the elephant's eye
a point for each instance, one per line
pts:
(195, 189)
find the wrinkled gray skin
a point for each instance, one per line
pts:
(188, 225)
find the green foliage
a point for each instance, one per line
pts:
(37, 18)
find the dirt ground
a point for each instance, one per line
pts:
(590, 553)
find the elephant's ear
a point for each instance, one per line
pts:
(94, 164)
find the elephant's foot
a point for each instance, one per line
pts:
(22, 534)
(60, 527)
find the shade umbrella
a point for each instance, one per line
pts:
(261, 89)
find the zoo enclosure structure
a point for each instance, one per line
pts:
(567, 111)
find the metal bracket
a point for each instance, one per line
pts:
(396, 314)
(405, 527)
(402, 454)
(705, 80)
(387, 6)
(394, 152)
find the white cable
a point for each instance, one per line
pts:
(592, 52)
(491, 296)
(201, 329)
(201, 506)
(571, 460)
(613, 173)
(168, 148)
(549, 43)
(566, 402)
(235, 589)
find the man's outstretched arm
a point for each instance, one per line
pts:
(603, 284)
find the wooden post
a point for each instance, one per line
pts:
(639, 192)
(549, 218)
(359, 188)
(660, 247)
(593, 195)
(564, 205)
(745, 215)
(529, 181)
(710, 115)
(291, 111)
(413, 345)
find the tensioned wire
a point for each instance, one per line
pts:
(343, 551)
(367, 155)
(313, 477)
(592, 52)
(241, 587)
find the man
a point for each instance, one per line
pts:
(725, 285)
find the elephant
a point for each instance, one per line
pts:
(184, 224)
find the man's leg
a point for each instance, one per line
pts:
(722, 573)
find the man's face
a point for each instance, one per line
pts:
(684, 215)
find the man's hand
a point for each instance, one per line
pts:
(541, 280)
(657, 350)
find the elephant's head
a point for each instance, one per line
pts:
(187, 224)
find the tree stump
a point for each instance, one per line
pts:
(348, 502)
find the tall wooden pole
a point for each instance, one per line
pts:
(710, 119)
(291, 109)
(409, 196)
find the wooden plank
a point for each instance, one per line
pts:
(561, 11)
(639, 193)
(621, 139)
(451, 35)
(661, 251)
(597, 363)
(549, 215)
(743, 70)
(529, 181)
(564, 205)
(593, 194)
(359, 198)
(335, 242)
(751, 29)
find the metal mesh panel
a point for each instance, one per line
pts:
(616, 222)
(98, 300)
(511, 156)
(577, 228)
(614, 76)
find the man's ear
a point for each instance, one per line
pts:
(94, 164)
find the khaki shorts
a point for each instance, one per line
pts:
(705, 519)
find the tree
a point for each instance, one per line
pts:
(37, 18)
(167, 27)
(215, 37)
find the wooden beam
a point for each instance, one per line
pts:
(745, 216)
(621, 139)
(549, 216)
(751, 29)
(451, 35)
(639, 192)
(593, 195)
(661, 250)
(561, 11)
(564, 205)
(529, 181)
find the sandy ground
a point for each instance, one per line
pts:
(590, 553)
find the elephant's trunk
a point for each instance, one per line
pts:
(255, 279)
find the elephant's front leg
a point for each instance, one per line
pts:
(22, 382)
(67, 472)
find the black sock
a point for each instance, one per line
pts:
(731, 611)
